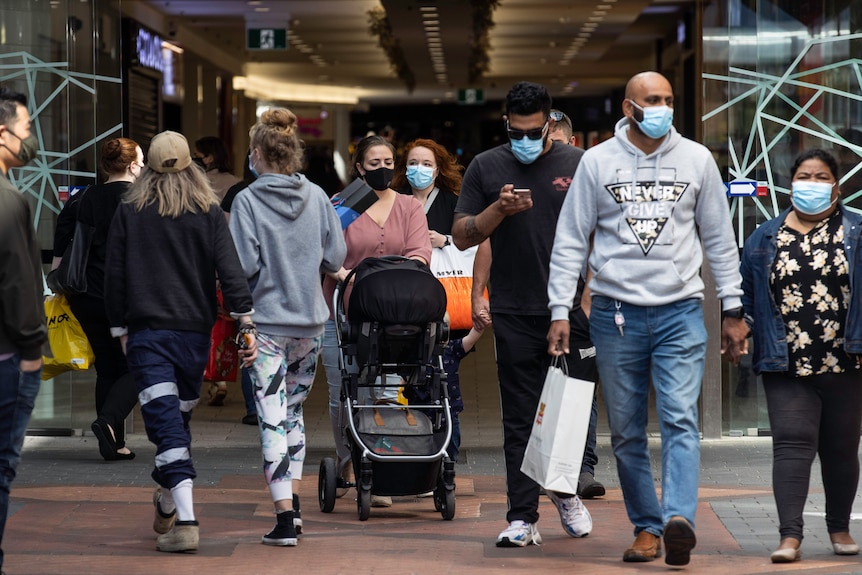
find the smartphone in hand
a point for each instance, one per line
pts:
(523, 193)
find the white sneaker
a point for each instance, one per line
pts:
(519, 534)
(574, 516)
(381, 501)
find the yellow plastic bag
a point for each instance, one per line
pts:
(69, 344)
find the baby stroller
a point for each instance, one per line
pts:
(393, 338)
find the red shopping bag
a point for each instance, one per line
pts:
(223, 360)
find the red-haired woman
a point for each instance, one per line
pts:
(433, 176)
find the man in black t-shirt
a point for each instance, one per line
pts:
(513, 194)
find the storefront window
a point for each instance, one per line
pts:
(65, 56)
(779, 77)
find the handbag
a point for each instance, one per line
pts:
(352, 201)
(555, 449)
(223, 359)
(69, 344)
(454, 269)
(70, 277)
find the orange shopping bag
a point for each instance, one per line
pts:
(454, 269)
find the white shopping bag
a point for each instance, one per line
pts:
(556, 447)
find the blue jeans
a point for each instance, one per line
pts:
(248, 392)
(337, 413)
(666, 346)
(17, 397)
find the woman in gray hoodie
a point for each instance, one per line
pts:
(286, 234)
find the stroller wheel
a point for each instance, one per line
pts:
(448, 510)
(363, 503)
(326, 482)
(444, 500)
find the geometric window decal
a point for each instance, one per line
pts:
(776, 115)
(38, 178)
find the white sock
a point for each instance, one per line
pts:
(166, 501)
(282, 491)
(182, 494)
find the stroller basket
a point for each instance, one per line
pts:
(400, 431)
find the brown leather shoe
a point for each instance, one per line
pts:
(646, 547)
(679, 540)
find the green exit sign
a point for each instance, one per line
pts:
(471, 96)
(266, 38)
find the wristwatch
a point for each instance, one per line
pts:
(447, 242)
(735, 313)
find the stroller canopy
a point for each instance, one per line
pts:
(396, 290)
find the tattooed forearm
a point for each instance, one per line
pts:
(474, 236)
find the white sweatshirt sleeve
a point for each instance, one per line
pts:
(716, 231)
(572, 240)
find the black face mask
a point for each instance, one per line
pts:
(200, 163)
(379, 179)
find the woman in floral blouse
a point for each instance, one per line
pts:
(798, 272)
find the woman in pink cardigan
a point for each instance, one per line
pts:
(394, 225)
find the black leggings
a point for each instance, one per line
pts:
(116, 393)
(817, 415)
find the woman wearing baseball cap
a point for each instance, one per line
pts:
(167, 244)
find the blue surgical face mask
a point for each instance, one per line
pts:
(812, 198)
(655, 121)
(526, 150)
(420, 177)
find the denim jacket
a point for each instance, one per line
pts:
(763, 315)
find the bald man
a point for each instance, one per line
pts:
(653, 202)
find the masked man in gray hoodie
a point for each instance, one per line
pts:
(649, 199)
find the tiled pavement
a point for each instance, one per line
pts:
(75, 514)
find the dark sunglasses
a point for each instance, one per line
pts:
(557, 116)
(534, 134)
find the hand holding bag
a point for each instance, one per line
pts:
(352, 201)
(555, 449)
(69, 343)
(223, 359)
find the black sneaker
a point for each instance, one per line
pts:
(297, 515)
(284, 532)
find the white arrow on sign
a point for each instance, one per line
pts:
(741, 188)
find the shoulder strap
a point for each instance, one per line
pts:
(79, 201)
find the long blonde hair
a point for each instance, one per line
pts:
(186, 191)
(275, 135)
